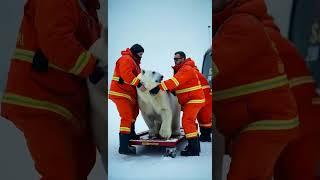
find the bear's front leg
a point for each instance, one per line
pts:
(165, 130)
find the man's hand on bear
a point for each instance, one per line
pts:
(154, 91)
(141, 87)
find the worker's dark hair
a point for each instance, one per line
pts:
(181, 53)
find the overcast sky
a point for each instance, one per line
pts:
(162, 28)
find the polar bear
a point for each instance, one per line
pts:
(98, 101)
(161, 112)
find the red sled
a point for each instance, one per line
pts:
(169, 144)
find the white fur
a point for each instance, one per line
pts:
(161, 112)
(98, 98)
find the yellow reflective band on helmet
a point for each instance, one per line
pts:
(134, 81)
(176, 82)
(164, 86)
(196, 101)
(15, 99)
(251, 88)
(206, 87)
(273, 125)
(205, 125)
(188, 89)
(81, 63)
(191, 135)
(300, 80)
(316, 101)
(120, 95)
(126, 129)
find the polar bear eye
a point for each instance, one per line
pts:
(153, 72)
(143, 71)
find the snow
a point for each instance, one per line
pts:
(149, 163)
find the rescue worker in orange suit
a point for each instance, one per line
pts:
(187, 87)
(205, 114)
(123, 93)
(301, 158)
(46, 96)
(252, 101)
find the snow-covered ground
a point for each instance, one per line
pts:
(149, 163)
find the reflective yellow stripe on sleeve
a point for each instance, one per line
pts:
(164, 86)
(196, 101)
(176, 82)
(27, 56)
(206, 87)
(133, 82)
(191, 135)
(300, 80)
(120, 95)
(251, 88)
(188, 89)
(81, 63)
(11, 98)
(115, 78)
(273, 125)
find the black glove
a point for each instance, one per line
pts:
(154, 91)
(173, 93)
(121, 81)
(139, 85)
(96, 75)
(40, 62)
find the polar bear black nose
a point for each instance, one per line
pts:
(161, 77)
(143, 71)
(153, 72)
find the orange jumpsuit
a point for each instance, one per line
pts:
(252, 101)
(205, 114)
(125, 95)
(51, 108)
(189, 92)
(301, 158)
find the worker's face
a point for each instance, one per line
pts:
(178, 59)
(219, 5)
(140, 54)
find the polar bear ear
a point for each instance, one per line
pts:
(143, 71)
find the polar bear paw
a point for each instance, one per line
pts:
(165, 133)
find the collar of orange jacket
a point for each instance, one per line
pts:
(256, 8)
(129, 53)
(187, 62)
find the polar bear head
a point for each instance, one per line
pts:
(150, 79)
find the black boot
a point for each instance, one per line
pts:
(188, 146)
(205, 135)
(193, 148)
(124, 145)
(133, 134)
